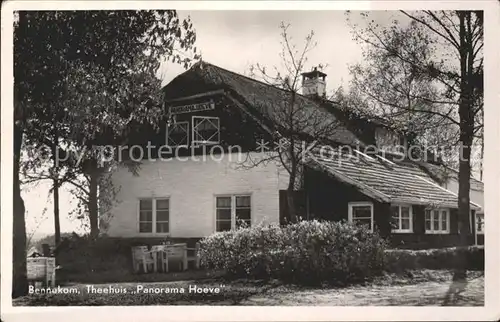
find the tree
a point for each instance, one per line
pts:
(385, 87)
(299, 126)
(47, 45)
(444, 49)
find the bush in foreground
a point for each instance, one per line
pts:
(307, 252)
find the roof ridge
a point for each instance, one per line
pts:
(255, 80)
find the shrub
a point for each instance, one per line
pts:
(83, 255)
(307, 252)
(442, 258)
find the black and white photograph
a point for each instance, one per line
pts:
(179, 156)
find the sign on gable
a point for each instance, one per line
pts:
(192, 108)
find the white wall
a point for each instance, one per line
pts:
(476, 192)
(191, 186)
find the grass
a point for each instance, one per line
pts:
(423, 287)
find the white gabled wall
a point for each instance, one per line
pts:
(192, 186)
(476, 192)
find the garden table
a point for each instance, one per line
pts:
(164, 253)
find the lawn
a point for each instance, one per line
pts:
(425, 287)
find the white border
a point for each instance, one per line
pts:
(491, 311)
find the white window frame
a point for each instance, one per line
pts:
(352, 205)
(399, 229)
(479, 232)
(440, 213)
(153, 219)
(193, 130)
(233, 207)
(187, 134)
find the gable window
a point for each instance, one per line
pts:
(480, 223)
(154, 215)
(361, 213)
(231, 211)
(205, 130)
(437, 221)
(178, 134)
(402, 219)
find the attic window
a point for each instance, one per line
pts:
(178, 134)
(205, 130)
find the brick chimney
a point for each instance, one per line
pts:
(313, 83)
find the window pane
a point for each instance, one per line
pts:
(361, 212)
(223, 225)
(162, 215)
(223, 202)
(405, 223)
(146, 204)
(206, 129)
(224, 214)
(243, 214)
(243, 201)
(479, 223)
(247, 223)
(162, 204)
(146, 227)
(444, 222)
(436, 223)
(366, 222)
(427, 225)
(405, 212)
(395, 222)
(162, 227)
(178, 134)
(395, 211)
(146, 216)
(427, 215)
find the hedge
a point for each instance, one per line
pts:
(441, 258)
(307, 252)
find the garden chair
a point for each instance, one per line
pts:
(160, 253)
(195, 256)
(178, 252)
(41, 269)
(141, 256)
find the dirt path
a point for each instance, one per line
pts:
(427, 293)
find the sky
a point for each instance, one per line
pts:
(234, 40)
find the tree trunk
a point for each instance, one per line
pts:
(55, 181)
(465, 111)
(292, 211)
(93, 207)
(290, 195)
(481, 158)
(57, 226)
(19, 278)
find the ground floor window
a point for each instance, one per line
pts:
(361, 213)
(232, 211)
(402, 218)
(437, 221)
(480, 223)
(154, 215)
